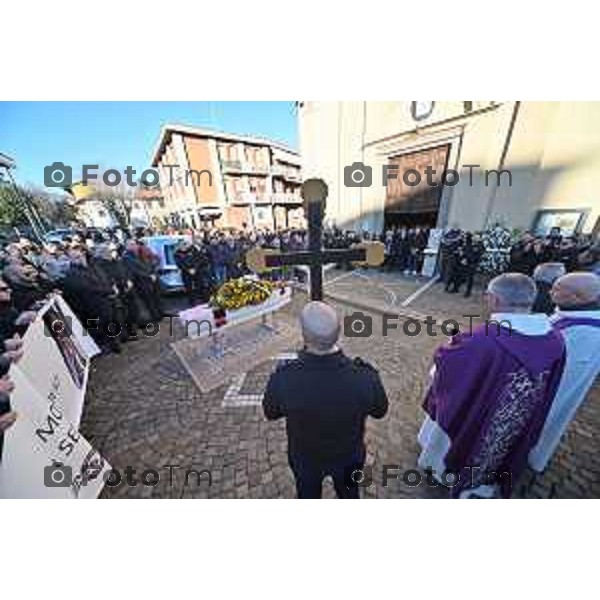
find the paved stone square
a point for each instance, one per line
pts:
(371, 287)
(143, 410)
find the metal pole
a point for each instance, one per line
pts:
(315, 230)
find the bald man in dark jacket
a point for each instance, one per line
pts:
(325, 398)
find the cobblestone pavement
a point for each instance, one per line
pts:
(371, 287)
(143, 410)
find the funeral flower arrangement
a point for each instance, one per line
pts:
(497, 241)
(237, 293)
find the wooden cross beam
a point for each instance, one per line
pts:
(314, 193)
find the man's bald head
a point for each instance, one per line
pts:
(579, 289)
(320, 327)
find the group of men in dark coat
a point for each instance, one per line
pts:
(112, 289)
(461, 254)
(194, 263)
(113, 294)
(530, 251)
(463, 262)
(404, 248)
(213, 258)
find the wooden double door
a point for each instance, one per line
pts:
(409, 203)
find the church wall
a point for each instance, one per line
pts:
(319, 150)
(481, 142)
(354, 202)
(516, 205)
(555, 160)
(573, 154)
(552, 151)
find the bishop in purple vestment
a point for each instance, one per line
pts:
(490, 394)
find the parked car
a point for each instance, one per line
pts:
(164, 247)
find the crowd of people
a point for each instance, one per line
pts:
(112, 278)
(111, 284)
(464, 254)
(575, 252)
(211, 257)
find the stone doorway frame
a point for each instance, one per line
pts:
(418, 141)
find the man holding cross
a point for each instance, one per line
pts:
(324, 396)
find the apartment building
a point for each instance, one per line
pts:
(226, 180)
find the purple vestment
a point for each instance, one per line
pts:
(491, 394)
(566, 321)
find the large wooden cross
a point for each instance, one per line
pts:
(314, 193)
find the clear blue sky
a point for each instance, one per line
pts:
(118, 134)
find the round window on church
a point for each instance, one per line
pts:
(421, 109)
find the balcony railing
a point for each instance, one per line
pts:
(253, 168)
(250, 197)
(288, 173)
(243, 166)
(285, 198)
(260, 197)
(232, 165)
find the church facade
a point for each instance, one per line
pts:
(528, 165)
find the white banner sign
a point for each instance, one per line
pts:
(44, 455)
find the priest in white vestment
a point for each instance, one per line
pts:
(577, 296)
